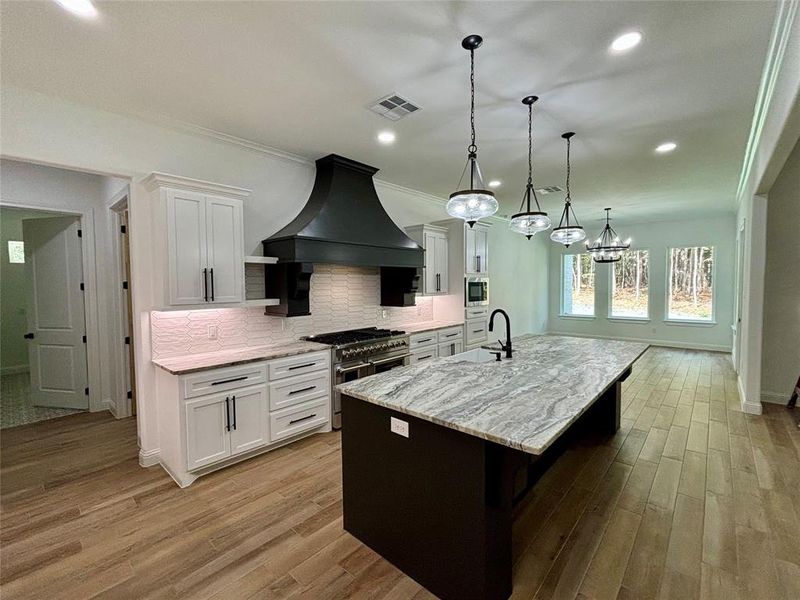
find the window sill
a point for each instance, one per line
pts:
(579, 317)
(630, 319)
(690, 322)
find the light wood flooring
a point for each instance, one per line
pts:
(691, 499)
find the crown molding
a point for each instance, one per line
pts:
(157, 180)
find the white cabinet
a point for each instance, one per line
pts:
(204, 249)
(423, 354)
(425, 345)
(451, 348)
(476, 249)
(435, 272)
(249, 420)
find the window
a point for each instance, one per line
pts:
(629, 285)
(16, 252)
(577, 285)
(691, 284)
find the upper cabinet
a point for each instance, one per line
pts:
(434, 241)
(204, 240)
(476, 249)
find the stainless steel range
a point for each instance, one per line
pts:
(359, 353)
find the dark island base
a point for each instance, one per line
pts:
(439, 503)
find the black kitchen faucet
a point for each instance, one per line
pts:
(507, 345)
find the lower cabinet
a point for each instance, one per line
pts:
(451, 348)
(423, 354)
(249, 420)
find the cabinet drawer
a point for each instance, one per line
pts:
(423, 354)
(451, 348)
(476, 312)
(301, 417)
(450, 334)
(294, 390)
(222, 380)
(422, 339)
(298, 365)
(477, 331)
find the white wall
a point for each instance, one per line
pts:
(50, 130)
(31, 185)
(780, 359)
(718, 232)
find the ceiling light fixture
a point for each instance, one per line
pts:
(608, 248)
(626, 42)
(666, 147)
(529, 222)
(568, 232)
(474, 202)
(386, 137)
(82, 8)
(495, 183)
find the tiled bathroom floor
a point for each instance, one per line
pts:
(16, 407)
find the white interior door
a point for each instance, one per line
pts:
(56, 318)
(225, 249)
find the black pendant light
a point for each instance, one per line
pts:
(475, 202)
(569, 230)
(608, 248)
(529, 222)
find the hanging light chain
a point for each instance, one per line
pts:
(472, 147)
(568, 198)
(530, 144)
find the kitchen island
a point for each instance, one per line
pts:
(435, 455)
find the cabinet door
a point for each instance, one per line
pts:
(225, 249)
(207, 439)
(441, 262)
(470, 262)
(249, 419)
(429, 280)
(450, 348)
(186, 239)
(482, 250)
(423, 354)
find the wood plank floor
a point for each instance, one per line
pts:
(691, 499)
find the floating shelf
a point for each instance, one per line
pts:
(262, 260)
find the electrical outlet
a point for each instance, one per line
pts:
(399, 427)
(384, 312)
(212, 332)
(283, 324)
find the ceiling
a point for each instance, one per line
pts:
(299, 76)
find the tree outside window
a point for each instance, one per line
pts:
(630, 279)
(577, 285)
(691, 290)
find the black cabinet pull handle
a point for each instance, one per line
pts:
(477, 330)
(205, 285)
(229, 380)
(212, 283)
(306, 418)
(234, 412)
(424, 357)
(423, 341)
(28, 336)
(305, 389)
(227, 414)
(301, 366)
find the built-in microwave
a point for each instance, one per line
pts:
(476, 291)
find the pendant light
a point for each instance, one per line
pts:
(608, 248)
(475, 202)
(569, 230)
(530, 222)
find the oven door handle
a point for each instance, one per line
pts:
(385, 360)
(353, 368)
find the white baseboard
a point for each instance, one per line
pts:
(149, 458)
(751, 408)
(111, 407)
(13, 370)
(661, 343)
(775, 397)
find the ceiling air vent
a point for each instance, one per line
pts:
(551, 189)
(394, 107)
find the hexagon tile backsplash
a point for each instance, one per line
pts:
(342, 297)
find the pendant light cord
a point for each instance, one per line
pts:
(568, 198)
(472, 147)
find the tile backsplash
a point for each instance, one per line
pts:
(342, 297)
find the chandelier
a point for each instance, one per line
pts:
(608, 248)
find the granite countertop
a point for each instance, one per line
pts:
(430, 326)
(524, 402)
(181, 365)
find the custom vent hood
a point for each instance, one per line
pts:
(343, 223)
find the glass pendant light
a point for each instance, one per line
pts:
(608, 248)
(475, 202)
(530, 222)
(569, 230)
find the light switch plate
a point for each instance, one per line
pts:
(398, 426)
(212, 332)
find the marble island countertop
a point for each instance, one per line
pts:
(524, 402)
(181, 365)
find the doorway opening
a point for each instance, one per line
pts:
(43, 362)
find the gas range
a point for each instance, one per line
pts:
(360, 353)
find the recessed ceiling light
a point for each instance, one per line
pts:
(82, 8)
(495, 183)
(666, 147)
(386, 137)
(626, 41)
